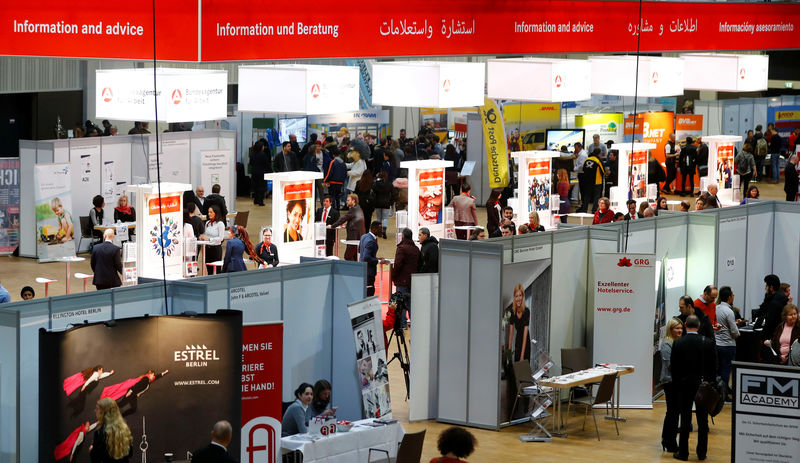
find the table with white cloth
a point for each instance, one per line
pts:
(347, 447)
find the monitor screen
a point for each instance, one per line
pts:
(295, 125)
(556, 138)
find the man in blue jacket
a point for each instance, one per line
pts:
(368, 252)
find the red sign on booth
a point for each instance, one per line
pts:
(539, 167)
(262, 376)
(297, 191)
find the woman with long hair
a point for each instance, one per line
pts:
(519, 321)
(366, 199)
(215, 231)
(750, 193)
(321, 403)
(493, 212)
(562, 187)
(669, 431)
(124, 212)
(383, 196)
(113, 441)
(238, 244)
(661, 204)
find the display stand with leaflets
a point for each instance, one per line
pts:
(721, 167)
(159, 227)
(129, 276)
(426, 196)
(293, 213)
(190, 257)
(631, 173)
(535, 190)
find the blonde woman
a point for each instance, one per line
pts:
(669, 431)
(519, 321)
(113, 441)
(534, 223)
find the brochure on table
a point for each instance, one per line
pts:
(293, 203)
(160, 230)
(536, 191)
(426, 196)
(632, 173)
(721, 167)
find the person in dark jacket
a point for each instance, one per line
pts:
(768, 314)
(687, 308)
(493, 212)
(355, 226)
(406, 263)
(429, 254)
(266, 250)
(775, 148)
(687, 160)
(790, 186)
(215, 198)
(328, 214)
(334, 177)
(260, 164)
(693, 360)
(238, 243)
(217, 450)
(106, 262)
(383, 199)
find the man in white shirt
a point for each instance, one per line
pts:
(726, 335)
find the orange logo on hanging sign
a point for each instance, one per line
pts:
(177, 96)
(655, 77)
(741, 73)
(558, 81)
(446, 85)
(107, 94)
(315, 91)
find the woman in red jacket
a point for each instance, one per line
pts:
(603, 214)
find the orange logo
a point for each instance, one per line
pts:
(315, 91)
(168, 204)
(446, 85)
(741, 73)
(107, 94)
(655, 77)
(558, 81)
(177, 96)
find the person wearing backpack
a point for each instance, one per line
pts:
(761, 148)
(745, 166)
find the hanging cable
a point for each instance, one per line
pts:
(158, 169)
(635, 107)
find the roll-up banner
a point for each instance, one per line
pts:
(172, 377)
(163, 235)
(9, 205)
(495, 141)
(373, 373)
(55, 228)
(262, 376)
(624, 297)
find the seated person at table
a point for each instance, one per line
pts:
(294, 420)
(321, 403)
(124, 212)
(238, 244)
(455, 443)
(267, 251)
(96, 215)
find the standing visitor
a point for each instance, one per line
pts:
(355, 226)
(669, 431)
(726, 336)
(106, 262)
(113, 441)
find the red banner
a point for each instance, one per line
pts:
(431, 177)
(262, 376)
(539, 167)
(297, 29)
(297, 191)
(168, 204)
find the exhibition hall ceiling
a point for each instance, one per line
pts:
(236, 30)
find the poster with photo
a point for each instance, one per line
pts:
(539, 184)
(431, 196)
(163, 232)
(525, 317)
(725, 165)
(297, 214)
(637, 174)
(55, 228)
(9, 205)
(371, 364)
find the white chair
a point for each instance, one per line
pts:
(84, 277)
(46, 282)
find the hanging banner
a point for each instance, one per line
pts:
(495, 142)
(606, 125)
(766, 413)
(163, 372)
(164, 237)
(55, 229)
(9, 205)
(637, 174)
(688, 125)
(724, 166)
(624, 296)
(215, 169)
(373, 374)
(262, 376)
(651, 128)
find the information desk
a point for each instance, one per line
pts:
(580, 378)
(346, 447)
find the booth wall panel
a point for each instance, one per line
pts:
(27, 213)
(119, 152)
(60, 151)
(187, 296)
(8, 386)
(203, 143)
(266, 307)
(759, 113)
(671, 243)
(453, 340)
(759, 257)
(596, 246)
(730, 117)
(31, 320)
(425, 367)
(84, 185)
(731, 245)
(141, 147)
(139, 300)
(640, 236)
(701, 253)
(484, 340)
(348, 285)
(786, 243)
(62, 318)
(227, 141)
(476, 151)
(568, 295)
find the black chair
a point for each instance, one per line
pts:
(87, 231)
(605, 392)
(409, 451)
(523, 377)
(572, 360)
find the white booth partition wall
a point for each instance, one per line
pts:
(293, 201)
(317, 342)
(701, 252)
(538, 79)
(107, 166)
(426, 196)
(424, 375)
(786, 245)
(762, 249)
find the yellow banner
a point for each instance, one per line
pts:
(495, 141)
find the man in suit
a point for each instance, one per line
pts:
(693, 360)
(217, 450)
(328, 214)
(219, 200)
(429, 252)
(368, 250)
(712, 201)
(632, 214)
(791, 179)
(200, 197)
(355, 225)
(464, 211)
(687, 167)
(106, 262)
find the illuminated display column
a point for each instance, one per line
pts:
(293, 230)
(537, 187)
(721, 168)
(632, 173)
(426, 196)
